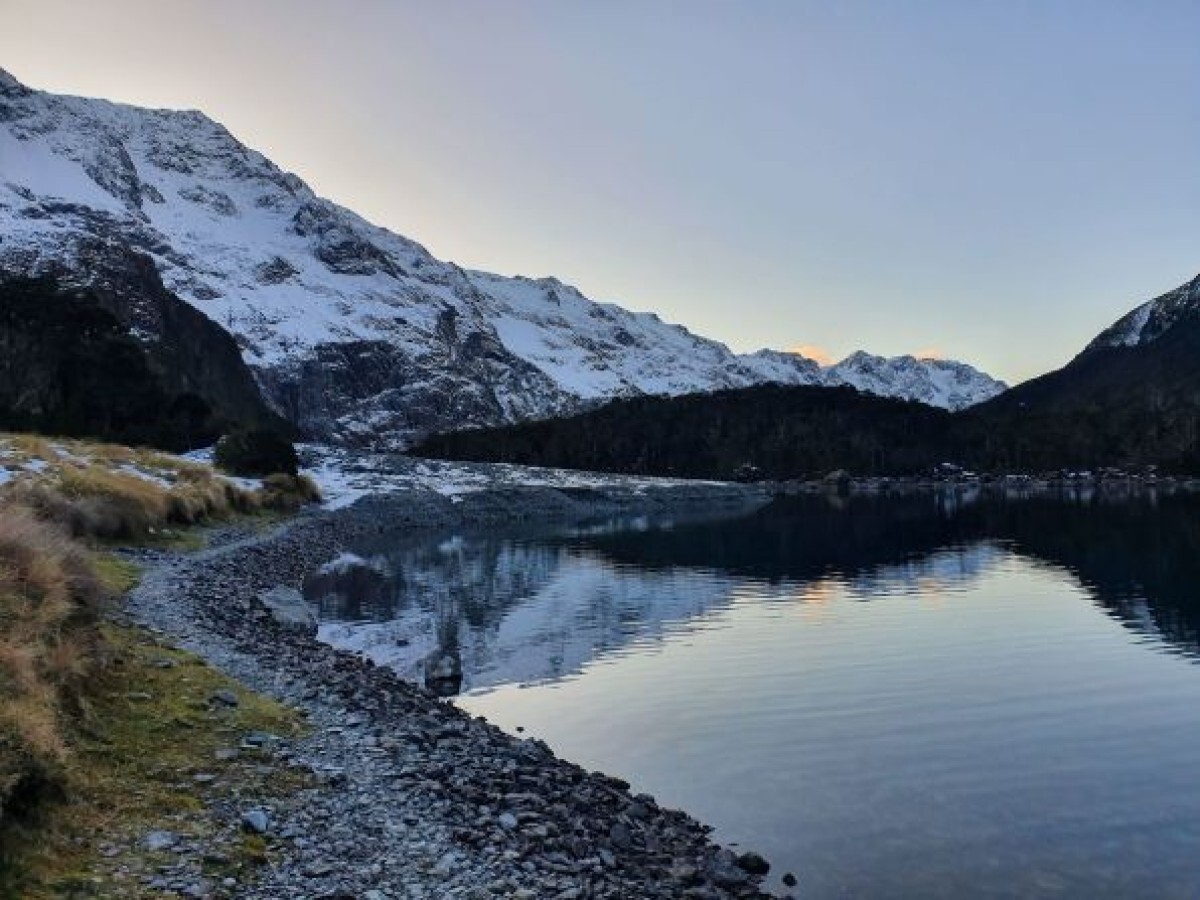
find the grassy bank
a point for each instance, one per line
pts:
(109, 491)
(50, 605)
(107, 734)
(148, 757)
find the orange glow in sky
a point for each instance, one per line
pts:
(815, 352)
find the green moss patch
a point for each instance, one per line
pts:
(155, 752)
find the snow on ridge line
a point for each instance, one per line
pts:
(1152, 319)
(289, 273)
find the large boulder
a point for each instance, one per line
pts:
(289, 608)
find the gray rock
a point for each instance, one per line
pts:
(443, 671)
(289, 608)
(686, 873)
(256, 821)
(157, 841)
(318, 869)
(621, 836)
(725, 871)
(225, 698)
(753, 863)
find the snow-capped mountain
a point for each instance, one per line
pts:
(1151, 320)
(1130, 397)
(354, 333)
(937, 382)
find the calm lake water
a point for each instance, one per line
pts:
(918, 697)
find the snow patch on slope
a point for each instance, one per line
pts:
(356, 333)
(345, 476)
(1153, 319)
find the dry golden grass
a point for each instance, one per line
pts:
(288, 492)
(132, 505)
(122, 493)
(74, 750)
(31, 446)
(95, 501)
(129, 771)
(50, 600)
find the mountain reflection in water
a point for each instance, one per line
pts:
(934, 695)
(535, 606)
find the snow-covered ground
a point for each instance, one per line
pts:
(30, 458)
(347, 475)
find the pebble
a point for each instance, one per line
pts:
(157, 841)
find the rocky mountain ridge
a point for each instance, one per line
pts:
(1153, 319)
(355, 334)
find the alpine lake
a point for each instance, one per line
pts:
(943, 693)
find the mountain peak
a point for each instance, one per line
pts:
(356, 334)
(1152, 319)
(9, 85)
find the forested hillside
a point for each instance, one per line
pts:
(781, 432)
(788, 432)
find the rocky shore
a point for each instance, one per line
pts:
(413, 798)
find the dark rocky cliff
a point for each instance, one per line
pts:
(123, 359)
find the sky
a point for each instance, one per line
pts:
(990, 181)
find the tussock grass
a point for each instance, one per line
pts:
(121, 493)
(288, 492)
(85, 768)
(32, 446)
(50, 602)
(130, 771)
(95, 501)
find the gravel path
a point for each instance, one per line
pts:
(413, 797)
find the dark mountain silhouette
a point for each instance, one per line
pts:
(123, 361)
(1131, 399)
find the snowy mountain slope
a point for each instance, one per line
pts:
(936, 382)
(356, 334)
(1151, 320)
(1143, 371)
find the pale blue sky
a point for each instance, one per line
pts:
(996, 181)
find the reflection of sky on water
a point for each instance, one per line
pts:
(527, 612)
(891, 698)
(991, 736)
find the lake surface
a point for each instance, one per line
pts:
(927, 696)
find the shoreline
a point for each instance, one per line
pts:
(414, 797)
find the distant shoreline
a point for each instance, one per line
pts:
(1015, 485)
